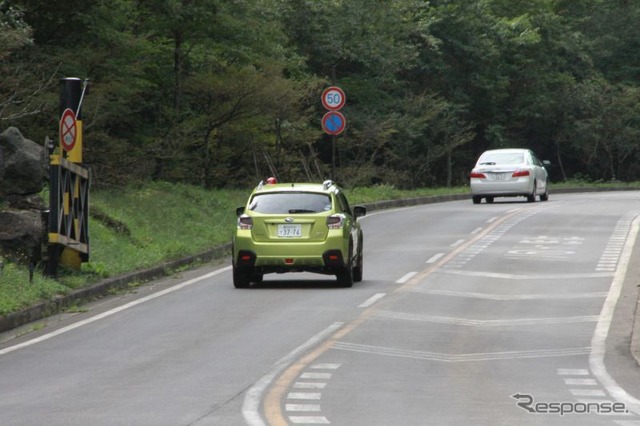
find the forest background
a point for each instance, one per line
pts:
(222, 93)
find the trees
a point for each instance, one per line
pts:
(20, 86)
(220, 93)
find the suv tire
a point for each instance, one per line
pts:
(241, 278)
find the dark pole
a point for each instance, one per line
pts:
(333, 157)
(333, 138)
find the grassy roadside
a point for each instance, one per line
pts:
(139, 227)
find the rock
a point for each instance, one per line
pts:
(23, 173)
(21, 233)
(26, 202)
(22, 169)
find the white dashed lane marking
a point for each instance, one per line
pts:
(372, 300)
(406, 277)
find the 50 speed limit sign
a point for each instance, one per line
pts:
(333, 98)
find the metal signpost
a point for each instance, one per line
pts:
(333, 122)
(68, 185)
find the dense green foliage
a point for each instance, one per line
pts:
(222, 93)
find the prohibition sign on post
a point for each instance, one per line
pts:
(68, 129)
(333, 98)
(333, 123)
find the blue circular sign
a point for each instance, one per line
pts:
(333, 123)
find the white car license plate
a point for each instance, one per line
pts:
(501, 176)
(290, 231)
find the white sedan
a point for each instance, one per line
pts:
(509, 173)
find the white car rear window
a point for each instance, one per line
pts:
(498, 158)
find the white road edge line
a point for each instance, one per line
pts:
(253, 397)
(598, 342)
(112, 311)
(373, 299)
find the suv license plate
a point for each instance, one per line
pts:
(290, 231)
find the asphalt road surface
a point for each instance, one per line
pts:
(509, 313)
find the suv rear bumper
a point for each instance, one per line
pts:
(328, 262)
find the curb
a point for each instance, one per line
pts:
(50, 307)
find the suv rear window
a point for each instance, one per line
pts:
(290, 203)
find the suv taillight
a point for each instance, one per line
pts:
(335, 221)
(245, 222)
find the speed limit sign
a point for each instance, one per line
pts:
(333, 98)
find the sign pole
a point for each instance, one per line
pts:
(333, 122)
(333, 157)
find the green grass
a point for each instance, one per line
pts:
(138, 227)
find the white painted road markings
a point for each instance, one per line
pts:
(294, 407)
(573, 371)
(587, 392)
(613, 250)
(484, 323)
(372, 300)
(545, 247)
(309, 420)
(505, 297)
(302, 407)
(435, 258)
(581, 382)
(313, 396)
(472, 357)
(457, 243)
(253, 397)
(406, 277)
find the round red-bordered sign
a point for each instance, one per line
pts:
(333, 98)
(68, 129)
(333, 123)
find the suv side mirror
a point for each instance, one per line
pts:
(240, 211)
(359, 211)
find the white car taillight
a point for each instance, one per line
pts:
(476, 175)
(335, 221)
(245, 222)
(520, 173)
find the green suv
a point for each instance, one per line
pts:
(297, 227)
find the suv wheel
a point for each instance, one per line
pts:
(357, 270)
(345, 276)
(241, 278)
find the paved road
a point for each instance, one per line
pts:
(497, 314)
